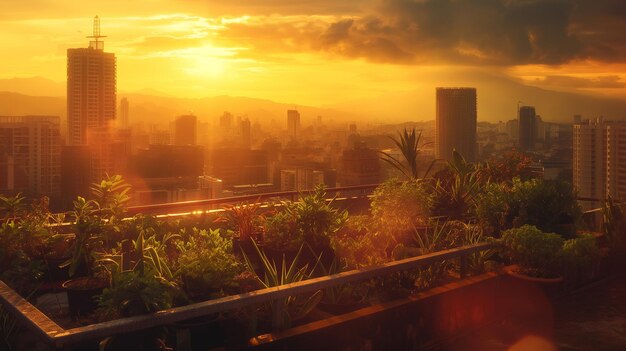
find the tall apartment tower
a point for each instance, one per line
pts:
(599, 162)
(91, 102)
(30, 155)
(527, 128)
(91, 89)
(124, 110)
(293, 123)
(185, 129)
(456, 122)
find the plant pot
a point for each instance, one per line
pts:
(550, 286)
(81, 293)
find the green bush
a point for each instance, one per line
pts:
(207, 264)
(534, 251)
(581, 251)
(544, 204)
(397, 207)
(312, 220)
(282, 231)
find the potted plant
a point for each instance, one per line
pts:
(140, 282)
(84, 285)
(534, 252)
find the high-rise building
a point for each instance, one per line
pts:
(246, 133)
(91, 89)
(185, 130)
(599, 162)
(91, 102)
(527, 128)
(124, 109)
(456, 123)
(358, 166)
(30, 155)
(293, 123)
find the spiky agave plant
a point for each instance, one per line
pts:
(286, 310)
(409, 144)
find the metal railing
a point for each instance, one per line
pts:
(58, 337)
(187, 207)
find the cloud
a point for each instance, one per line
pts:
(601, 82)
(474, 32)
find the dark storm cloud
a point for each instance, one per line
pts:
(500, 32)
(602, 82)
(496, 31)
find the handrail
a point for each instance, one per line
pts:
(159, 208)
(59, 337)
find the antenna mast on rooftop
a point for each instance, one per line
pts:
(96, 44)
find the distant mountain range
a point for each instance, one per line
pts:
(497, 100)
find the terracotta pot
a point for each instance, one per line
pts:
(81, 294)
(513, 271)
(551, 287)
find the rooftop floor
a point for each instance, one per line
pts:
(593, 318)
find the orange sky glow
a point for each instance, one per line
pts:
(309, 52)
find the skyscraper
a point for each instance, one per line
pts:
(185, 129)
(599, 162)
(293, 123)
(124, 109)
(456, 122)
(91, 102)
(527, 128)
(30, 155)
(91, 89)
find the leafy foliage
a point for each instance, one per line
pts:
(544, 204)
(456, 189)
(282, 231)
(245, 219)
(111, 194)
(357, 246)
(207, 264)
(89, 241)
(534, 251)
(287, 310)
(409, 144)
(311, 221)
(614, 226)
(397, 207)
(581, 251)
(12, 206)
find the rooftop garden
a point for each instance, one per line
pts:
(114, 266)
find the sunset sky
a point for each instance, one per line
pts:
(325, 51)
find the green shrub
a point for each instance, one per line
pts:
(397, 207)
(312, 220)
(581, 251)
(544, 204)
(207, 264)
(282, 231)
(534, 251)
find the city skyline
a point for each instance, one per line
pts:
(199, 50)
